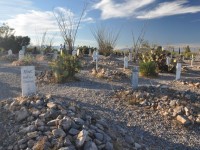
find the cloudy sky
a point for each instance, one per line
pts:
(169, 22)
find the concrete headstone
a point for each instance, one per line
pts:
(10, 52)
(125, 62)
(178, 71)
(135, 74)
(78, 52)
(74, 52)
(55, 55)
(21, 54)
(28, 80)
(23, 48)
(168, 61)
(130, 56)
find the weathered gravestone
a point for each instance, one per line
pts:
(28, 80)
(21, 54)
(55, 55)
(23, 48)
(90, 52)
(78, 52)
(74, 52)
(135, 74)
(178, 71)
(168, 61)
(125, 62)
(95, 55)
(130, 56)
(192, 60)
(9, 52)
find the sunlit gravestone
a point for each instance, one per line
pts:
(135, 75)
(192, 60)
(178, 71)
(21, 54)
(97, 56)
(168, 61)
(28, 80)
(125, 62)
(9, 52)
(78, 52)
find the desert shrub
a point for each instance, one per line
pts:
(159, 57)
(148, 69)
(65, 68)
(28, 60)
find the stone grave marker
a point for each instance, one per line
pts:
(9, 52)
(28, 80)
(135, 74)
(192, 60)
(130, 56)
(55, 55)
(78, 52)
(168, 61)
(90, 52)
(23, 49)
(178, 71)
(74, 52)
(96, 58)
(125, 62)
(21, 54)
(95, 55)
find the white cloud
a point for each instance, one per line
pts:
(169, 9)
(111, 9)
(9, 8)
(34, 23)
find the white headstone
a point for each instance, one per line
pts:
(178, 71)
(55, 55)
(23, 49)
(192, 60)
(95, 55)
(130, 56)
(168, 61)
(78, 52)
(125, 62)
(135, 74)
(21, 54)
(96, 58)
(74, 52)
(10, 52)
(28, 80)
(90, 53)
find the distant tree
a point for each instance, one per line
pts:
(9, 41)
(187, 49)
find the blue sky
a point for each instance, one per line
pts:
(169, 22)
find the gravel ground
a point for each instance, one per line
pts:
(147, 127)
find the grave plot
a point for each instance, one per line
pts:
(183, 106)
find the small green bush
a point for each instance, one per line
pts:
(65, 68)
(28, 60)
(148, 69)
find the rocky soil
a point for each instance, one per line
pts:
(104, 111)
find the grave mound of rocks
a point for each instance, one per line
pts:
(109, 74)
(44, 122)
(183, 106)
